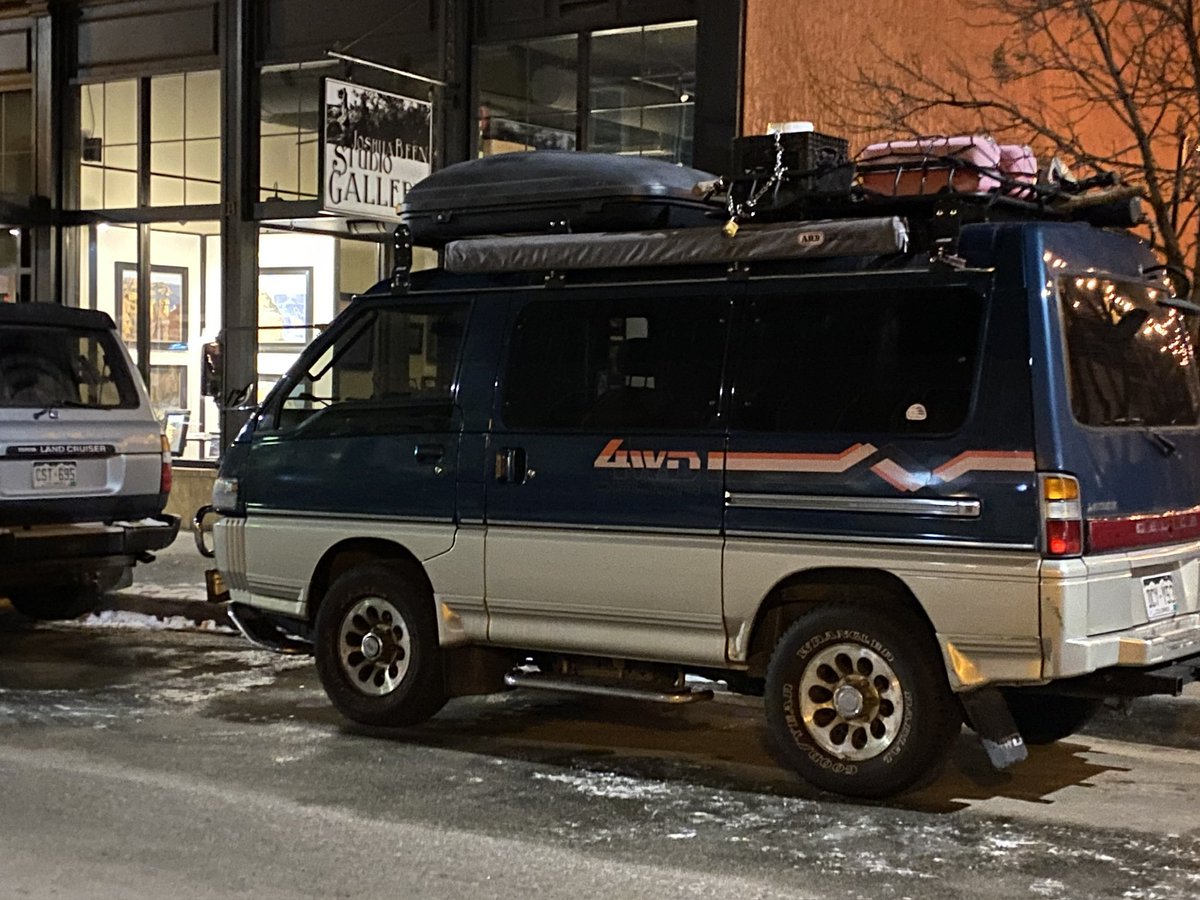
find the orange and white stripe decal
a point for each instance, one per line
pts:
(984, 461)
(615, 456)
(898, 476)
(830, 463)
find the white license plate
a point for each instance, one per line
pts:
(54, 475)
(1159, 593)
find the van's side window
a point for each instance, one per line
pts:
(615, 364)
(390, 371)
(889, 362)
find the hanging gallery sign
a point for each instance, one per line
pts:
(376, 146)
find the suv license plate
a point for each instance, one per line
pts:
(1159, 593)
(54, 475)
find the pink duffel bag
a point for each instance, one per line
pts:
(964, 164)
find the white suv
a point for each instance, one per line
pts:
(84, 470)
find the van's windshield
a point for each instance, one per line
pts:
(47, 366)
(1131, 359)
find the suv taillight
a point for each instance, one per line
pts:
(1062, 515)
(165, 476)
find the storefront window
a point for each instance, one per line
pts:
(16, 143)
(184, 311)
(185, 139)
(640, 99)
(11, 268)
(108, 177)
(528, 95)
(642, 91)
(304, 280)
(289, 123)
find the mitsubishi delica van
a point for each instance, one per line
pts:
(896, 469)
(84, 468)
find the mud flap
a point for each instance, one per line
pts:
(988, 713)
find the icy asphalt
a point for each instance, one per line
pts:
(141, 761)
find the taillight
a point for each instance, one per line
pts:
(165, 476)
(1062, 515)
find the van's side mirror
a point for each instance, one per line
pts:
(210, 371)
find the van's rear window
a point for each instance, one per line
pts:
(1131, 360)
(44, 366)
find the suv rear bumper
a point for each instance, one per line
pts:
(49, 554)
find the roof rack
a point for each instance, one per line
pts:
(785, 216)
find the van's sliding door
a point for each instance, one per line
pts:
(603, 509)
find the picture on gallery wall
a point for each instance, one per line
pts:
(284, 305)
(168, 388)
(168, 305)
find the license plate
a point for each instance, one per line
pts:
(54, 475)
(1159, 593)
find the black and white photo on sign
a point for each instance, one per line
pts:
(376, 146)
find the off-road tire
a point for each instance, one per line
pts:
(411, 686)
(888, 659)
(1043, 718)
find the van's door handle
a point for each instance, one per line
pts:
(426, 453)
(510, 465)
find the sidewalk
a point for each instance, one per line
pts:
(172, 585)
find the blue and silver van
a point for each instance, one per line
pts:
(890, 485)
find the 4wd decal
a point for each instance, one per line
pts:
(615, 455)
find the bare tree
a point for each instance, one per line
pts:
(1109, 85)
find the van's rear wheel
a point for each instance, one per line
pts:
(1043, 718)
(376, 647)
(857, 700)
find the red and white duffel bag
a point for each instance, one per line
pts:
(961, 164)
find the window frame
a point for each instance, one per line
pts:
(583, 109)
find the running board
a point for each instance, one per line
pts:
(262, 633)
(541, 682)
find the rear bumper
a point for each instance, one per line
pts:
(1094, 614)
(47, 554)
(1146, 645)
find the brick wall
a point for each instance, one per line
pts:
(802, 58)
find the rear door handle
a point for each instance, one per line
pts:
(429, 453)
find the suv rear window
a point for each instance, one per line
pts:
(1131, 360)
(44, 366)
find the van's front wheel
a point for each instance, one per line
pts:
(858, 702)
(377, 648)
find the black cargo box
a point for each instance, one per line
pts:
(555, 191)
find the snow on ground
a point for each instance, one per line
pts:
(119, 618)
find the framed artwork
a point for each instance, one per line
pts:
(168, 388)
(284, 306)
(168, 305)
